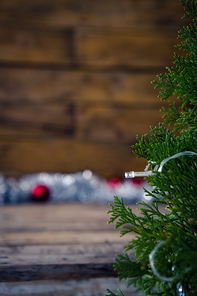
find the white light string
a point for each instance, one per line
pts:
(175, 156)
(133, 174)
(152, 264)
(180, 291)
(146, 173)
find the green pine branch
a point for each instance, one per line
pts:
(175, 186)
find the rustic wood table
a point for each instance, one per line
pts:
(57, 242)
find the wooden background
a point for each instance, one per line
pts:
(75, 81)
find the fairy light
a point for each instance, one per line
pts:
(161, 277)
(133, 174)
(174, 156)
(152, 264)
(146, 173)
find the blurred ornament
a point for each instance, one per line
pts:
(137, 181)
(40, 193)
(84, 187)
(113, 183)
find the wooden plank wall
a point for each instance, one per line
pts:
(75, 81)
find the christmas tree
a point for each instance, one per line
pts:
(165, 246)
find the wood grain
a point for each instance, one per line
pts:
(39, 87)
(115, 123)
(85, 287)
(96, 123)
(34, 46)
(99, 107)
(105, 48)
(36, 120)
(58, 217)
(53, 254)
(104, 107)
(75, 81)
(126, 13)
(67, 156)
(93, 46)
(58, 242)
(37, 113)
(45, 242)
(56, 272)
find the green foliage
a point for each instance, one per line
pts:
(181, 79)
(119, 293)
(175, 187)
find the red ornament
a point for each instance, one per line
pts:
(40, 193)
(113, 183)
(137, 182)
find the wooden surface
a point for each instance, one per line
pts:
(75, 81)
(62, 241)
(73, 287)
(111, 13)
